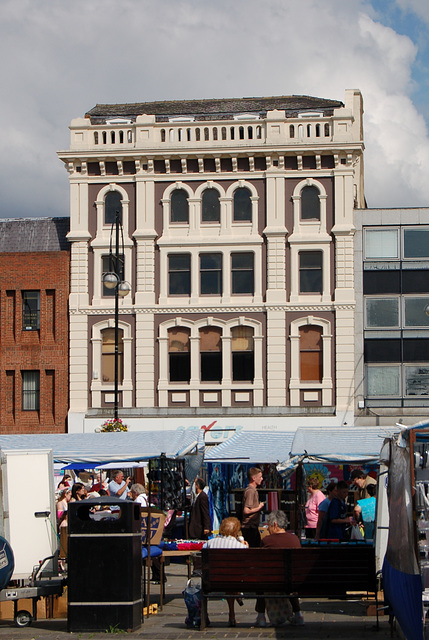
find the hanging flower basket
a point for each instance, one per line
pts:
(113, 425)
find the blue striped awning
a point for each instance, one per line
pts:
(107, 447)
(260, 447)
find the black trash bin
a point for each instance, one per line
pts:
(104, 565)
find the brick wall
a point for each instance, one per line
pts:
(44, 350)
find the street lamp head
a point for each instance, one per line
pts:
(427, 309)
(124, 288)
(110, 280)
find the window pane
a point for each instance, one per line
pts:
(310, 204)
(417, 381)
(382, 350)
(242, 205)
(180, 367)
(415, 350)
(382, 312)
(179, 206)
(310, 272)
(108, 355)
(178, 339)
(211, 273)
(382, 282)
(210, 206)
(211, 366)
(415, 315)
(243, 366)
(30, 310)
(210, 339)
(242, 338)
(311, 366)
(383, 381)
(112, 204)
(415, 281)
(381, 243)
(30, 390)
(416, 243)
(242, 273)
(179, 267)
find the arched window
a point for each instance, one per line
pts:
(179, 206)
(162, 135)
(243, 356)
(310, 203)
(210, 209)
(291, 131)
(215, 133)
(179, 354)
(112, 204)
(311, 353)
(108, 355)
(206, 133)
(211, 354)
(95, 137)
(242, 205)
(223, 133)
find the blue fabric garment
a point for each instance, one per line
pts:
(155, 552)
(403, 592)
(337, 509)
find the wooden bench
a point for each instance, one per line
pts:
(309, 572)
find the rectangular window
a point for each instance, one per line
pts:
(110, 265)
(382, 312)
(179, 274)
(381, 244)
(310, 272)
(311, 354)
(416, 243)
(382, 282)
(383, 350)
(242, 272)
(30, 390)
(414, 311)
(417, 381)
(30, 310)
(243, 355)
(211, 354)
(179, 354)
(211, 274)
(383, 381)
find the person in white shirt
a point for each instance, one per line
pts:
(118, 487)
(138, 494)
(229, 538)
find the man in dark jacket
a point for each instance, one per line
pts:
(200, 524)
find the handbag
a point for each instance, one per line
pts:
(192, 596)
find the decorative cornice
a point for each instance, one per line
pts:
(91, 311)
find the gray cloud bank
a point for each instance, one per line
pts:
(61, 58)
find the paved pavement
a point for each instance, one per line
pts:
(336, 620)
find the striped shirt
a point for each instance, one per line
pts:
(224, 542)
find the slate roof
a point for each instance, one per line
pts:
(34, 234)
(223, 108)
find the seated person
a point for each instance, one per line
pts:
(279, 538)
(229, 538)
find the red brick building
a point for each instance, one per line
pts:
(34, 345)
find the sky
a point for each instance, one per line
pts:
(61, 58)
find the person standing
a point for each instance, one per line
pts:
(337, 519)
(118, 487)
(200, 524)
(362, 481)
(312, 507)
(252, 508)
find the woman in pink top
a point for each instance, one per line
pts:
(312, 507)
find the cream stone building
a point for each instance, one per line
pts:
(238, 233)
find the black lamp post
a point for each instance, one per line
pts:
(113, 280)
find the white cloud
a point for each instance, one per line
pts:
(419, 7)
(62, 58)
